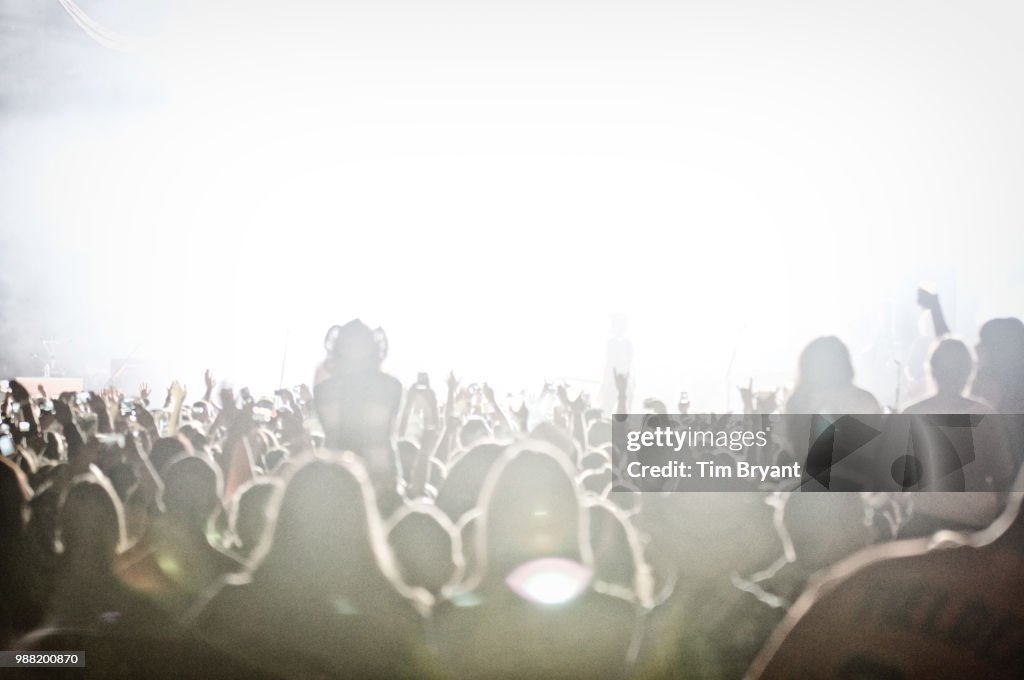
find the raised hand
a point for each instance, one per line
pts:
(177, 399)
(227, 401)
(144, 417)
(577, 405)
(209, 382)
(177, 392)
(287, 398)
(930, 301)
(927, 299)
(62, 412)
(521, 414)
(747, 395)
(144, 392)
(111, 395)
(98, 406)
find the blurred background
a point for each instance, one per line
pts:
(189, 184)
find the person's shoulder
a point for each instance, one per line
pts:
(322, 374)
(935, 405)
(873, 581)
(391, 384)
(921, 407)
(221, 600)
(978, 406)
(866, 401)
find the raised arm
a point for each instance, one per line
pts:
(177, 392)
(493, 401)
(930, 301)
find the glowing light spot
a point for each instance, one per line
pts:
(549, 581)
(169, 566)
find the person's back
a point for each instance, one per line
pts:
(825, 387)
(825, 382)
(502, 633)
(950, 366)
(298, 633)
(532, 610)
(941, 404)
(357, 403)
(175, 562)
(323, 599)
(925, 613)
(845, 399)
(1000, 376)
(20, 608)
(357, 409)
(87, 594)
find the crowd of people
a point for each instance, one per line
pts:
(360, 528)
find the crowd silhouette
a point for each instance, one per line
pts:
(359, 528)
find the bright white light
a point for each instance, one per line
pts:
(549, 581)
(491, 184)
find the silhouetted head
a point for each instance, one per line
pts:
(165, 450)
(327, 536)
(250, 512)
(192, 489)
(194, 436)
(595, 459)
(599, 432)
(123, 479)
(355, 346)
(15, 493)
(275, 458)
(92, 528)
(530, 510)
(825, 362)
(556, 436)
(951, 364)
(1002, 340)
(460, 490)
(423, 540)
(1000, 375)
(474, 430)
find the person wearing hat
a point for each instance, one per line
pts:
(357, 403)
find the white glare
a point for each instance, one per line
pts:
(549, 581)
